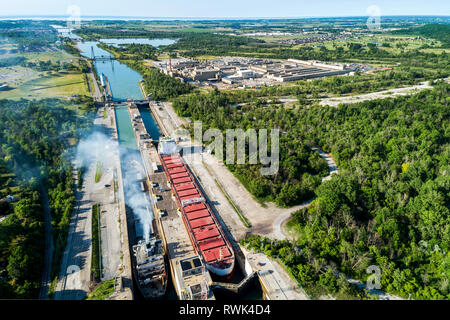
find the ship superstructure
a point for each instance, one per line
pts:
(150, 269)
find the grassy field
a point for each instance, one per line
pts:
(96, 254)
(197, 30)
(206, 57)
(103, 291)
(396, 43)
(44, 85)
(163, 56)
(48, 55)
(435, 50)
(98, 172)
(29, 83)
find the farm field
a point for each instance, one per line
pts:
(46, 86)
(26, 82)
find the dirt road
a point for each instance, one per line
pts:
(335, 101)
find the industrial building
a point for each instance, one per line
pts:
(205, 74)
(249, 72)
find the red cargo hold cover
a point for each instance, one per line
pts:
(211, 243)
(197, 214)
(205, 233)
(173, 165)
(181, 180)
(188, 192)
(190, 197)
(179, 175)
(172, 160)
(194, 207)
(184, 186)
(201, 222)
(177, 170)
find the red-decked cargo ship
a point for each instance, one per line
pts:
(203, 228)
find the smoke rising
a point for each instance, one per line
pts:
(133, 173)
(96, 147)
(99, 147)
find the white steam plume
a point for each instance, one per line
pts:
(98, 147)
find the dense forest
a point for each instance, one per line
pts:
(301, 168)
(389, 206)
(316, 280)
(159, 85)
(439, 32)
(34, 136)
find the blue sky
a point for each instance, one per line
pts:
(224, 8)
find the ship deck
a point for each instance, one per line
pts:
(174, 235)
(200, 221)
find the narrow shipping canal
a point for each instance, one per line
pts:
(124, 84)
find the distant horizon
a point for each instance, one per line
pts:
(219, 9)
(125, 17)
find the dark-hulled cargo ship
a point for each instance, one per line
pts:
(149, 266)
(204, 230)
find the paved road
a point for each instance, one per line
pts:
(74, 277)
(277, 282)
(48, 255)
(97, 93)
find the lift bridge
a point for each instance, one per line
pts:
(100, 57)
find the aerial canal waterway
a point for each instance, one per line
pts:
(124, 129)
(123, 81)
(124, 84)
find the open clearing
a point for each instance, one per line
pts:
(41, 86)
(335, 101)
(26, 82)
